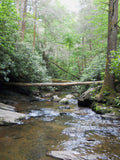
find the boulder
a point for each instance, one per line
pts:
(64, 101)
(47, 95)
(69, 96)
(85, 99)
(7, 107)
(64, 155)
(55, 98)
(9, 116)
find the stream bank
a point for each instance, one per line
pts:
(108, 107)
(56, 127)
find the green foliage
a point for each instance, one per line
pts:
(28, 67)
(8, 24)
(68, 40)
(5, 64)
(57, 38)
(8, 36)
(117, 102)
(17, 60)
(95, 68)
(101, 108)
(106, 93)
(115, 64)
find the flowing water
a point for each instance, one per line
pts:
(51, 127)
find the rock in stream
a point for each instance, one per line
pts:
(65, 155)
(8, 115)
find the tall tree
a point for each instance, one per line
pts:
(17, 6)
(24, 21)
(108, 84)
(35, 12)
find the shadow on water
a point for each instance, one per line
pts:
(51, 128)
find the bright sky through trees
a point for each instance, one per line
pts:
(72, 5)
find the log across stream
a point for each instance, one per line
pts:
(52, 84)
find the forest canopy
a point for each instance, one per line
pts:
(41, 40)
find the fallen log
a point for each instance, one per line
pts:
(52, 84)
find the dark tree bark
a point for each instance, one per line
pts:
(108, 84)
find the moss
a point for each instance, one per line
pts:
(107, 90)
(116, 112)
(106, 96)
(101, 108)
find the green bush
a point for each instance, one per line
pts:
(8, 36)
(95, 69)
(5, 63)
(115, 65)
(27, 66)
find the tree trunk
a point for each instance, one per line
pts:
(24, 21)
(34, 36)
(82, 63)
(85, 62)
(18, 6)
(108, 84)
(83, 41)
(21, 8)
(90, 45)
(79, 69)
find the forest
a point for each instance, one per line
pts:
(41, 41)
(59, 79)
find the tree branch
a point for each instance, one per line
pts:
(64, 70)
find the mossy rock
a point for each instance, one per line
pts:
(64, 101)
(101, 108)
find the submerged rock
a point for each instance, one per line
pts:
(38, 99)
(64, 107)
(46, 114)
(9, 116)
(63, 113)
(64, 155)
(110, 116)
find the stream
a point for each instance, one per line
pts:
(51, 126)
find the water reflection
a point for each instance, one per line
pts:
(50, 128)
